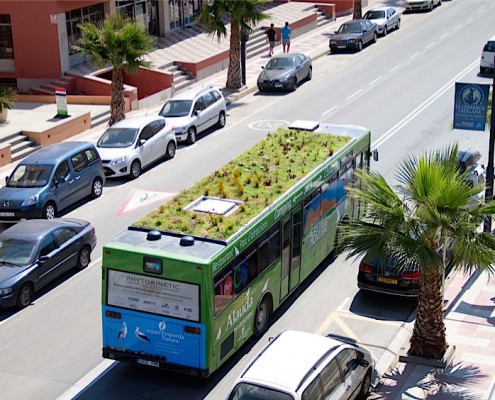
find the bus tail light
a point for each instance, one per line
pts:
(413, 276)
(192, 329)
(113, 314)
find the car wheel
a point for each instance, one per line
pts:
(49, 210)
(482, 70)
(439, 3)
(375, 37)
(359, 46)
(398, 24)
(385, 30)
(84, 257)
(431, 6)
(293, 87)
(97, 188)
(171, 147)
(221, 120)
(25, 295)
(191, 135)
(135, 169)
(260, 89)
(310, 74)
(262, 318)
(364, 391)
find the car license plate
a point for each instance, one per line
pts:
(148, 362)
(7, 214)
(278, 85)
(341, 47)
(387, 280)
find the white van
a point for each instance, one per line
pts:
(300, 365)
(487, 56)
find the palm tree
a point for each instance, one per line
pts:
(432, 205)
(121, 43)
(242, 14)
(357, 10)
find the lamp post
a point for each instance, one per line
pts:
(244, 39)
(491, 151)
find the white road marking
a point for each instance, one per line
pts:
(414, 55)
(329, 110)
(395, 68)
(481, 11)
(396, 128)
(469, 19)
(354, 94)
(444, 36)
(376, 80)
(457, 27)
(430, 45)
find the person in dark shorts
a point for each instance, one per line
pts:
(271, 33)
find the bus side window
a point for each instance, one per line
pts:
(223, 290)
(269, 249)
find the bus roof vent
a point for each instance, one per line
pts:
(186, 241)
(153, 235)
(214, 205)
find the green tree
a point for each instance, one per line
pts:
(357, 10)
(120, 43)
(242, 14)
(431, 204)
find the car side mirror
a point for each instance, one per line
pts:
(262, 67)
(141, 142)
(7, 179)
(197, 112)
(42, 259)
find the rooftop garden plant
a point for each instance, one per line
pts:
(257, 178)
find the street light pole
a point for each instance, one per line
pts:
(491, 151)
(244, 39)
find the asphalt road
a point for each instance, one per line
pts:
(402, 88)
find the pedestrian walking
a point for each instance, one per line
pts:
(286, 31)
(270, 37)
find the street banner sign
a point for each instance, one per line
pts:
(470, 106)
(61, 99)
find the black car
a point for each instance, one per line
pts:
(392, 278)
(35, 252)
(353, 35)
(285, 71)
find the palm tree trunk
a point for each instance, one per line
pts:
(357, 10)
(429, 336)
(234, 78)
(117, 106)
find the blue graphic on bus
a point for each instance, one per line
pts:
(155, 336)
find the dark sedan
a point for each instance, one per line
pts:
(285, 71)
(391, 277)
(35, 252)
(354, 35)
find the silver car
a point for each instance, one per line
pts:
(194, 110)
(385, 18)
(414, 5)
(353, 35)
(134, 143)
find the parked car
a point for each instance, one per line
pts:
(194, 110)
(385, 18)
(390, 276)
(51, 179)
(134, 143)
(414, 5)
(487, 60)
(300, 365)
(285, 71)
(354, 35)
(35, 252)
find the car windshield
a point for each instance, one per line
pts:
(280, 63)
(118, 138)
(16, 251)
(176, 108)
(376, 14)
(350, 28)
(30, 176)
(254, 392)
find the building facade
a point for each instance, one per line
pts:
(37, 36)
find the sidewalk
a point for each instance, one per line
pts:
(470, 322)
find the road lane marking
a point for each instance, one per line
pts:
(414, 55)
(430, 45)
(399, 125)
(457, 27)
(481, 11)
(354, 94)
(444, 36)
(329, 110)
(469, 19)
(395, 68)
(376, 80)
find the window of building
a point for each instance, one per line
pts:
(73, 18)
(6, 42)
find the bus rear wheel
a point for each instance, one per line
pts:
(262, 318)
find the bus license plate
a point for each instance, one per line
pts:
(148, 362)
(387, 280)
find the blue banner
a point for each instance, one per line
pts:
(470, 106)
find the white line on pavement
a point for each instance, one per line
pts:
(330, 109)
(392, 131)
(376, 80)
(354, 94)
(414, 55)
(430, 45)
(457, 27)
(395, 68)
(444, 36)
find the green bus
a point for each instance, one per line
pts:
(185, 286)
